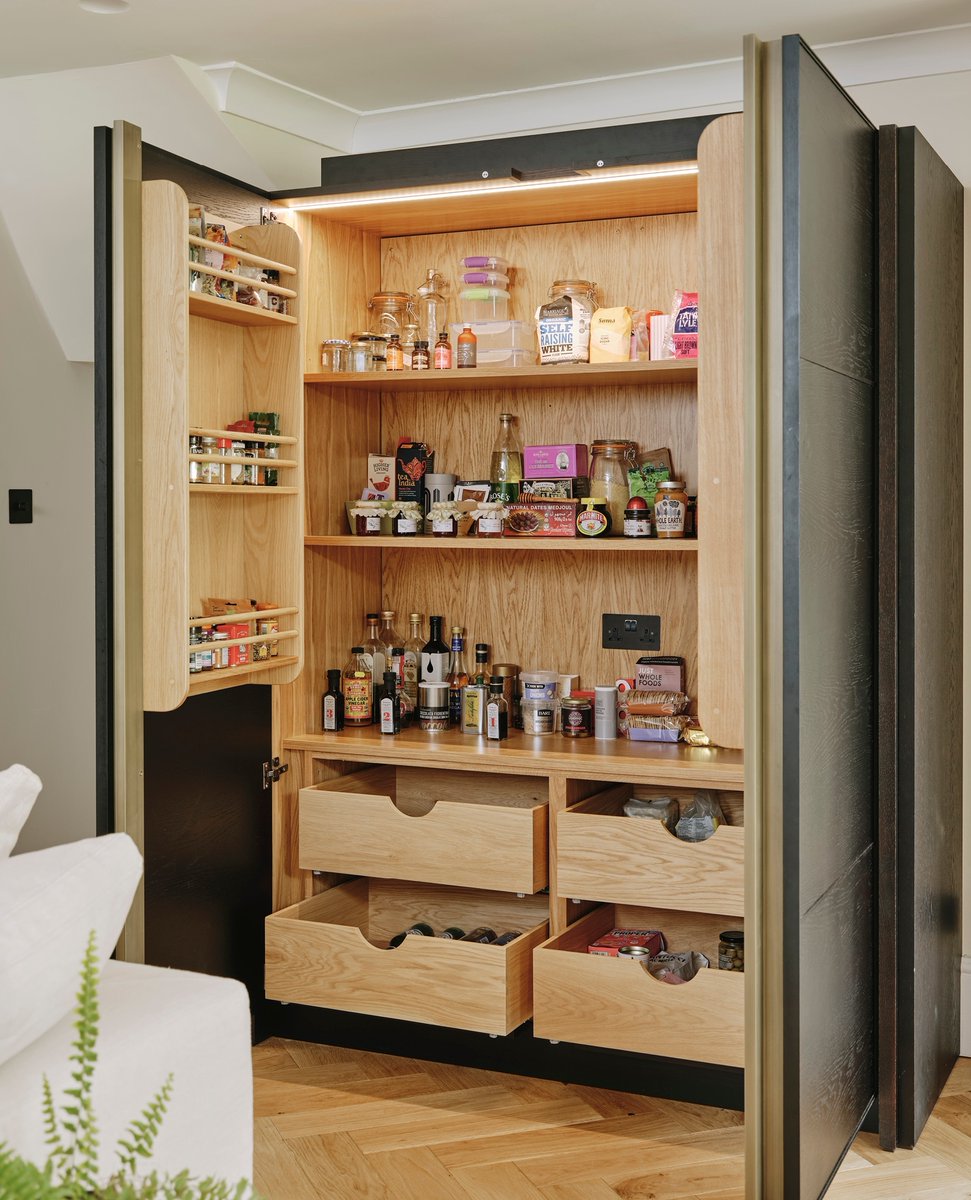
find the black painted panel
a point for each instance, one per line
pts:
(207, 836)
(930, 612)
(836, 559)
(837, 148)
(828, 409)
(216, 192)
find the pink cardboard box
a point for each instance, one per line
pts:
(554, 462)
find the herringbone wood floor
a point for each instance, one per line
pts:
(335, 1124)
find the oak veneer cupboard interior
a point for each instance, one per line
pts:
(746, 193)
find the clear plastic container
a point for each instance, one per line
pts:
(481, 303)
(490, 278)
(484, 262)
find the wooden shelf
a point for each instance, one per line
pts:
(214, 681)
(660, 762)
(563, 375)
(240, 489)
(525, 545)
(237, 435)
(246, 256)
(214, 309)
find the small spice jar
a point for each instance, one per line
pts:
(576, 717)
(407, 520)
(731, 950)
(195, 468)
(593, 518)
(210, 472)
(670, 509)
(334, 354)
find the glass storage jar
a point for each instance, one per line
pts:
(610, 460)
(334, 353)
(574, 287)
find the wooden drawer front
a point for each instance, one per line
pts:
(448, 827)
(603, 855)
(599, 1001)
(331, 950)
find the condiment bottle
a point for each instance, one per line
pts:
(506, 465)
(332, 705)
(357, 689)
(497, 711)
(419, 356)
(466, 348)
(670, 509)
(457, 676)
(443, 352)
(394, 353)
(390, 706)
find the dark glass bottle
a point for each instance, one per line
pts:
(434, 654)
(497, 711)
(482, 933)
(453, 933)
(332, 705)
(389, 707)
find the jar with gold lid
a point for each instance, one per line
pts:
(670, 509)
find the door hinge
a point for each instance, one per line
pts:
(272, 771)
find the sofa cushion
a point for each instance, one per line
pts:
(18, 791)
(50, 900)
(153, 1021)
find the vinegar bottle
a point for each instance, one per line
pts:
(358, 700)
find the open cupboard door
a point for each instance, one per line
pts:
(811, 163)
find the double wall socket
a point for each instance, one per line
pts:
(631, 631)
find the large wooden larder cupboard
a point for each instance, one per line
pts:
(370, 832)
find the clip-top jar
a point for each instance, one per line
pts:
(610, 460)
(574, 287)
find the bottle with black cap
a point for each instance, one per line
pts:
(389, 706)
(332, 705)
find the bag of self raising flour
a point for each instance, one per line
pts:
(563, 323)
(610, 335)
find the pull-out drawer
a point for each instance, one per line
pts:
(603, 855)
(449, 827)
(331, 951)
(614, 1002)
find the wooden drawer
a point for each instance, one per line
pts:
(331, 950)
(449, 827)
(600, 1001)
(603, 855)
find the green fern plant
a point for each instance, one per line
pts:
(71, 1133)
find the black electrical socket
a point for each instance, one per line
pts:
(630, 631)
(21, 506)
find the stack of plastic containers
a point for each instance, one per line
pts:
(484, 304)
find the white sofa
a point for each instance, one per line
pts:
(153, 1021)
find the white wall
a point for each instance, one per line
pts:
(47, 597)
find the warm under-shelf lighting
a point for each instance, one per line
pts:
(491, 188)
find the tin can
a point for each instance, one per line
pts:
(475, 697)
(433, 706)
(605, 714)
(634, 953)
(576, 717)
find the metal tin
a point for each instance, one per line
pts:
(433, 706)
(634, 953)
(605, 713)
(475, 697)
(576, 717)
(539, 716)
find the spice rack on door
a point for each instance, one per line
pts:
(207, 362)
